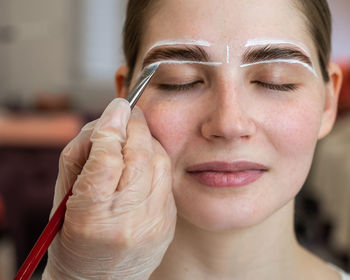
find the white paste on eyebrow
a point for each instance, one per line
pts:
(262, 42)
(202, 43)
(293, 61)
(185, 62)
(227, 54)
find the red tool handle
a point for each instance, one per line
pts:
(44, 241)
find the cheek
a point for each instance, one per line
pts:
(293, 129)
(169, 124)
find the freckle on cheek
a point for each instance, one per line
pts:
(301, 132)
(166, 124)
(158, 118)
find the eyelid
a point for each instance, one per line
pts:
(276, 87)
(179, 87)
(179, 76)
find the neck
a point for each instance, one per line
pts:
(250, 253)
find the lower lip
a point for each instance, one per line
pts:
(227, 179)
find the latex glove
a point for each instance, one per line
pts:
(121, 217)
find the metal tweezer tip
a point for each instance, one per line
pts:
(141, 84)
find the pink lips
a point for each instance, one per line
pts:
(223, 174)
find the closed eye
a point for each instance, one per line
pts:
(179, 87)
(276, 87)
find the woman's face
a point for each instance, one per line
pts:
(241, 121)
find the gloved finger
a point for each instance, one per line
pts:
(101, 173)
(162, 179)
(138, 157)
(75, 154)
(72, 160)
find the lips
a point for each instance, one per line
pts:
(222, 174)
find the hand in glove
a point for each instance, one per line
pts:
(121, 217)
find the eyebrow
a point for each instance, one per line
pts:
(265, 42)
(184, 53)
(180, 42)
(271, 53)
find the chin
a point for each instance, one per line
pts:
(236, 211)
(219, 215)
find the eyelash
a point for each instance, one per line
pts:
(189, 86)
(179, 87)
(277, 87)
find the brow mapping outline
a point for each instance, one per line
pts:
(211, 63)
(162, 43)
(291, 61)
(255, 42)
(182, 62)
(269, 43)
(198, 54)
(264, 42)
(227, 54)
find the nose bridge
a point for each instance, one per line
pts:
(229, 115)
(229, 97)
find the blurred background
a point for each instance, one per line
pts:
(57, 64)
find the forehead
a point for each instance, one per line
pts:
(232, 22)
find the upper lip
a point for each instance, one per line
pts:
(221, 166)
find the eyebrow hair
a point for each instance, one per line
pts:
(268, 52)
(180, 42)
(264, 42)
(188, 53)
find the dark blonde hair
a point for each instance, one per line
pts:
(316, 13)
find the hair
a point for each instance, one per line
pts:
(316, 13)
(135, 24)
(319, 25)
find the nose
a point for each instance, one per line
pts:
(228, 115)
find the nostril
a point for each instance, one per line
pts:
(217, 131)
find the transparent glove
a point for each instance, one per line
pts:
(121, 217)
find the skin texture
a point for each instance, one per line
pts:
(236, 232)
